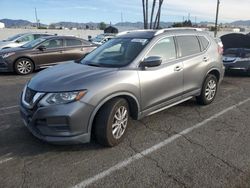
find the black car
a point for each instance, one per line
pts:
(43, 52)
(237, 60)
(236, 56)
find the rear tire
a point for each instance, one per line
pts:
(209, 90)
(111, 122)
(24, 66)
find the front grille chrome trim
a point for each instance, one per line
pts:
(35, 99)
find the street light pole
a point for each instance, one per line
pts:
(216, 19)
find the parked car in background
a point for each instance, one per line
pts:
(20, 39)
(237, 60)
(102, 38)
(43, 52)
(133, 75)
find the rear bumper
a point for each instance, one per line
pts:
(59, 124)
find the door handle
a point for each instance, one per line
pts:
(178, 68)
(205, 59)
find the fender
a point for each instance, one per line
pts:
(103, 101)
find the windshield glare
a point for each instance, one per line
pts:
(33, 43)
(116, 52)
(14, 37)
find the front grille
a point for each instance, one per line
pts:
(29, 95)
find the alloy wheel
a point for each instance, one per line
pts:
(24, 66)
(120, 122)
(210, 90)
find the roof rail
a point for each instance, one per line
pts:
(177, 28)
(132, 31)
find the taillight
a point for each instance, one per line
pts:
(220, 50)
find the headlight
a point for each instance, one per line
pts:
(62, 98)
(8, 54)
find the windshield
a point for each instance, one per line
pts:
(14, 37)
(33, 43)
(117, 52)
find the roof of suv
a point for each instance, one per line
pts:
(148, 34)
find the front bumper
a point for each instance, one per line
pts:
(5, 66)
(59, 124)
(241, 66)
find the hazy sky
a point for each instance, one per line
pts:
(110, 10)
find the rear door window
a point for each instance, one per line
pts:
(54, 43)
(188, 45)
(165, 48)
(73, 42)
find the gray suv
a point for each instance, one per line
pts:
(136, 74)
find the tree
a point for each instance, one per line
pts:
(186, 23)
(145, 7)
(102, 26)
(87, 27)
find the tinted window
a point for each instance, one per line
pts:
(73, 42)
(204, 42)
(165, 48)
(54, 43)
(188, 45)
(37, 36)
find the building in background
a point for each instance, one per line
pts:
(2, 25)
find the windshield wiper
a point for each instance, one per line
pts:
(93, 65)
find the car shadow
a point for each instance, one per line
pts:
(18, 142)
(237, 74)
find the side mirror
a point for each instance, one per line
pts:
(151, 61)
(41, 48)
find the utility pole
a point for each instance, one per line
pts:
(216, 19)
(36, 19)
(121, 17)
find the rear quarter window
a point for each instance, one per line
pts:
(188, 45)
(204, 42)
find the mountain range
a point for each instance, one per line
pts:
(10, 23)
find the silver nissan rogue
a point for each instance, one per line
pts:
(136, 74)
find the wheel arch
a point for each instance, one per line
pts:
(215, 72)
(133, 103)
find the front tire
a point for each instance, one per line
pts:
(209, 90)
(111, 122)
(24, 66)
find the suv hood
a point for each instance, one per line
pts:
(68, 77)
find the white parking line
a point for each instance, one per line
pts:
(5, 159)
(8, 107)
(9, 113)
(154, 148)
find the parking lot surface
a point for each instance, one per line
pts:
(184, 146)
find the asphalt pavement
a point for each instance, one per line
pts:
(185, 146)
